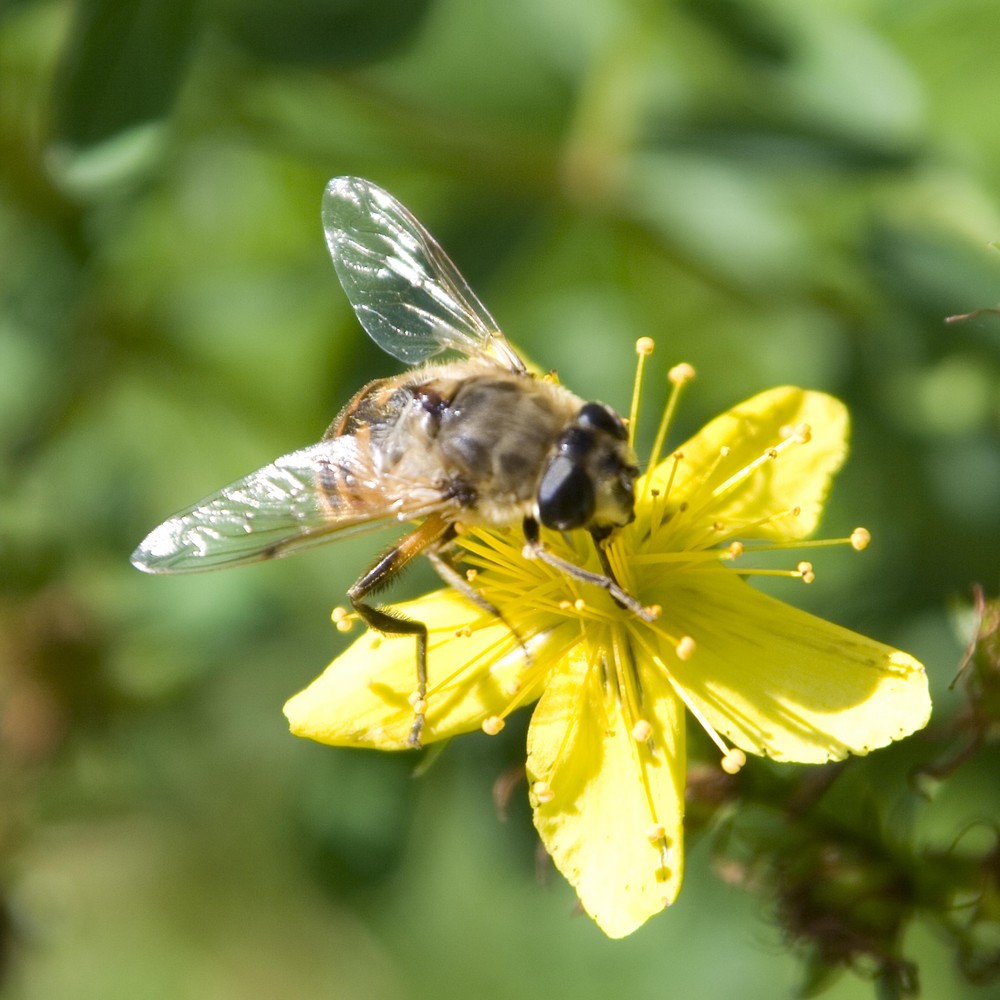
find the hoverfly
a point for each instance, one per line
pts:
(474, 441)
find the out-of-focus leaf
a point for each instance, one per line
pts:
(122, 66)
(323, 32)
(752, 29)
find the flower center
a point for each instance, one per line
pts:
(691, 518)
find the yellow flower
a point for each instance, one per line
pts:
(606, 742)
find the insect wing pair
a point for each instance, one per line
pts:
(478, 440)
(414, 304)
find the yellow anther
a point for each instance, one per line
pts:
(803, 433)
(681, 373)
(645, 346)
(642, 731)
(580, 604)
(805, 570)
(471, 574)
(685, 648)
(342, 619)
(736, 549)
(542, 791)
(492, 725)
(734, 760)
(464, 632)
(418, 704)
(860, 537)
(656, 833)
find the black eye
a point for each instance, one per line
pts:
(565, 496)
(576, 442)
(600, 418)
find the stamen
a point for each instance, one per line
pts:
(858, 539)
(644, 348)
(629, 692)
(802, 433)
(767, 456)
(730, 755)
(682, 693)
(681, 373)
(660, 497)
(342, 619)
(418, 704)
(656, 834)
(642, 731)
(492, 725)
(733, 761)
(736, 528)
(805, 570)
(787, 574)
(679, 376)
(685, 648)
(543, 792)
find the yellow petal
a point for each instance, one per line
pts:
(759, 505)
(475, 668)
(778, 681)
(602, 799)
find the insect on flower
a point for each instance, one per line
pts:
(477, 442)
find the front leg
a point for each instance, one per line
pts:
(534, 548)
(458, 582)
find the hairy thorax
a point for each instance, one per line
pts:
(477, 434)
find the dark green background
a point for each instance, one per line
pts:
(775, 191)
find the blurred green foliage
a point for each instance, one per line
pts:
(776, 192)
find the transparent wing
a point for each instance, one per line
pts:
(407, 293)
(299, 500)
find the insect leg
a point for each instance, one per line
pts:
(457, 581)
(454, 578)
(379, 576)
(534, 548)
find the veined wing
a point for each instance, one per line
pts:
(299, 500)
(408, 295)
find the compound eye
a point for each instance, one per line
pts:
(601, 418)
(576, 443)
(565, 496)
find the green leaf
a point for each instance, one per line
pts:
(322, 32)
(122, 66)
